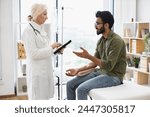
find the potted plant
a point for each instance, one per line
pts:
(136, 61)
(147, 42)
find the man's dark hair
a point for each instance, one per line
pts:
(106, 17)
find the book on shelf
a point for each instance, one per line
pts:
(127, 47)
(137, 46)
(134, 46)
(127, 32)
(137, 33)
(144, 63)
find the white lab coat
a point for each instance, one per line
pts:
(40, 80)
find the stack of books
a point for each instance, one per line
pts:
(144, 63)
(134, 46)
(137, 46)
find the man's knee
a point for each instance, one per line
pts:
(81, 89)
(69, 84)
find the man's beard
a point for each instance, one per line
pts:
(102, 30)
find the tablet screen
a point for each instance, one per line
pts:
(62, 46)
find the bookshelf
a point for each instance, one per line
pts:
(133, 35)
(21, 83)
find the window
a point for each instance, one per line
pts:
(78, 25)
(25, 7)
(76, 20)
(70, 20)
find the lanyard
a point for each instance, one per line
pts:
(35, 30)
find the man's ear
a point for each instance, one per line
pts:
(106, 25)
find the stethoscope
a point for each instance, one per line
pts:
(35, 30)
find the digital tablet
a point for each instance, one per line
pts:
(62, 46)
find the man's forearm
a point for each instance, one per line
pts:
(95, 60)
(88, 66)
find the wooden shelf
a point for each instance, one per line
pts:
(138, 70)
(132, 38)
(135, 54)
(21, 85)
(133, 33)
(21, 93)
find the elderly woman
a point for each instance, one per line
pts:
(39, 51)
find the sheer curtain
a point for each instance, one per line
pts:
(70, 20)
(76, 23)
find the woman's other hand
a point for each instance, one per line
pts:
(55, 45)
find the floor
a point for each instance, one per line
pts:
(24, 97)
(14, 98)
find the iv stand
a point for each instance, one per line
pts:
(62, 58)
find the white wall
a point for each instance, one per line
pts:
(0, 52)
(143, 9)
(124, 11)
(7, 47)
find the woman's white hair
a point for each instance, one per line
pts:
(37, 9)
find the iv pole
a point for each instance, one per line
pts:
(62, 57)
(60, 78)
(57, 57)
